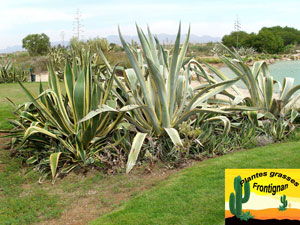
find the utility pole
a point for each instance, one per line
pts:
(62, 34)
(237, 28)
(77, 25)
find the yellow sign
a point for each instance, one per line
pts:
(271, 196)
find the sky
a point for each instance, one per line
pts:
(216, 18)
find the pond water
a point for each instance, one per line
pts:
(278, 70)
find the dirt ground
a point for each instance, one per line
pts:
(112, 193)
(3, 142)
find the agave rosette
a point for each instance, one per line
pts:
(159, 83)
(74, 126)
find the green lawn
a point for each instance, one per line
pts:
(22, 200)
(196, 195)
(14, 92)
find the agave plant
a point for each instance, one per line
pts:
(58, 130)
(280, 129)
(9, 73)
(260, 85)
(202, 135)
(159, 84)
(58, 58)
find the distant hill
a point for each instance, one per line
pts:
(166, 38)
(163, 38)
(10, 49)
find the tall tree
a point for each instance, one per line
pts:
(268, 41)
(230, 40)
(36, 44)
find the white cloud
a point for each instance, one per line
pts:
(18, 16)
(215, 17)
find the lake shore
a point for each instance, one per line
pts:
(269, 61)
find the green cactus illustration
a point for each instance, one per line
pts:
(236, 201)
(284, 203)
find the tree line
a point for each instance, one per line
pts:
(271, 40)
(39, 44)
